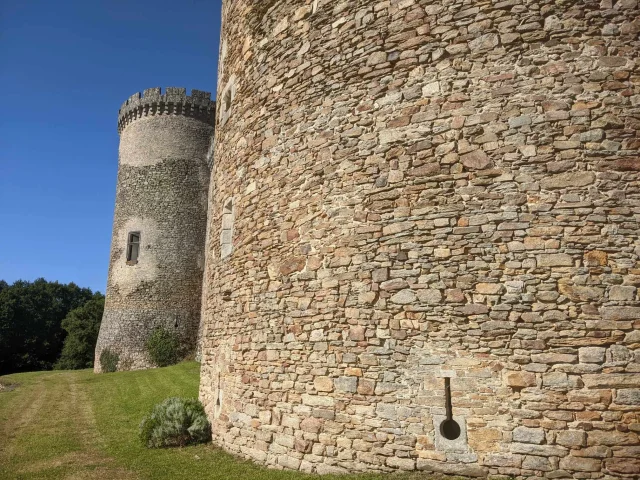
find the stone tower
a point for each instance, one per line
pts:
(424, 237)
(157, 248)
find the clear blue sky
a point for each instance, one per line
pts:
(65, 68)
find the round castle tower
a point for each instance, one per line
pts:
(424, 248)
(157, 248)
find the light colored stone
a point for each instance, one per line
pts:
(404, 297)
(555, 260)
(476, 160)
(528, 435)
(323, 384)
(591, 354)
(571, 438)
(569, 179)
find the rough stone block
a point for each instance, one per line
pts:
(528, 435)
(620, 313)
(571, 438)
(628, 396)
(624, 466)
(569, 179)
(580, 464)
(622, 293)
(476, 160)
(521, 379)
(610, 438)
(346, 384)
(323, 384)
(555, 260)
(591, 354)
(404, 297)
(611, 380)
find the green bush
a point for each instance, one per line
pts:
(163, 347)
(109, 361)
(176, 422)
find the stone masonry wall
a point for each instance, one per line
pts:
(163, 181)
(426, 190)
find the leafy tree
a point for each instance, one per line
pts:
(31, 313)
(82, 326)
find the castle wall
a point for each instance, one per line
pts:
(426, 190)
(162, 187)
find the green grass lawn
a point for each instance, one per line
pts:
(77, 425)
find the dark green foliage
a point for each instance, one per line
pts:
(176, 422)
(82, 326)
(109, 361)
(31, 313)
(163, 347)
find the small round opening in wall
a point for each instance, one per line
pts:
(450, 429)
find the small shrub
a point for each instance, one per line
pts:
(163, 347)
(176, 422)
(109, 361)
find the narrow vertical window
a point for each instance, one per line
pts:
(133, 247)
(227, 96)
(450, 429)
(226, 233)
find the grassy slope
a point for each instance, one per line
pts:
(77, 425)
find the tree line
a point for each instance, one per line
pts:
(47, 325)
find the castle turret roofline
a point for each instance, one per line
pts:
(174, 101)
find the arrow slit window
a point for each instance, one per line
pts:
(226, 233)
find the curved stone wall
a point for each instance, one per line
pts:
(424, 190)
(163, 180)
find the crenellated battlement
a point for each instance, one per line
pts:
(174, 101)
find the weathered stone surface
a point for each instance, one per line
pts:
(539, 464)
(404, 297)
(591, 354)
(622, 293)
(484, 42)
(595, 258)
(599, 437)
(580, 464)
(451, 469)
(521, 379)
(401, 463)
(323, 384)
(461, 181)
(346, 384)
(628, 396)
(430, 296)
(611, 380)
(502, 460)
(489, 288)
(476, 160)
(620, 313)
(553, 358)
(528, 435)
(555, 260)
(572, 438)
(292, 265)
(569, 179)
(625, 466)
